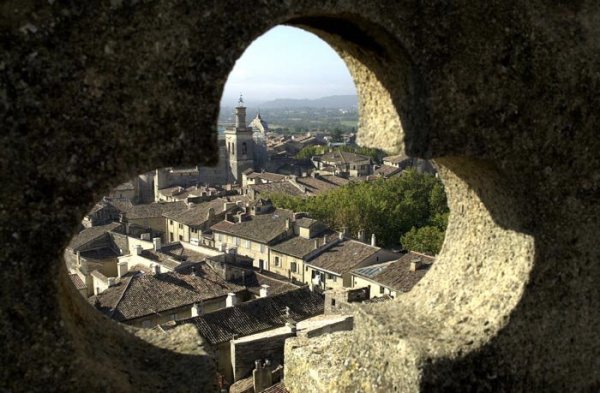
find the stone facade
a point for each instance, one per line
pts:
(502, 95)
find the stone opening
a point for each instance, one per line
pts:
(481, 188)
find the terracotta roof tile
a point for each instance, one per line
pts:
(343, 256)
(143, 294)
(263, 228)
(397, 274)
(257, 315)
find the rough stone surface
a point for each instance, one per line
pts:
(502, 94)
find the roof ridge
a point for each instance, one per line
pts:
(121, 296)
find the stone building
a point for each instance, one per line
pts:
(331, 268)
(239, 143)
(224, 329)
(393, 278)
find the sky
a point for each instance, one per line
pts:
(287, 62)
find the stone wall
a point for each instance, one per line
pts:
(245, 352)
(501, 94)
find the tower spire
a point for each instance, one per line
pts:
(241, 101)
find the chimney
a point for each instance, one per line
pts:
(361, 235)
(197, 310)
(156, 268)
(138, 250)
(373, 240)
(78, 258)
(287, 223)
(193, 270)
(341, 235)
(316, 243)
(264, 290)
(111, 281)
(262, 376)
(231, 300)
(122, 268)
(324, 239)
(157, 243)
(415, 264)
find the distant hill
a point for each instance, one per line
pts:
(344, 101)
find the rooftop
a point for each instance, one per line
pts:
(262, 228)
(76, 280)
(386, 170)
(396, 159)
(257, 315)
(397, 274)
(153, 210)
(197, 214)
(344, 157)
(90, 234)
(140, 294)
(343, 256)
(254, 281)
(268, 176)
(300, 247)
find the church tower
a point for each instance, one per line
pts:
(239, 145)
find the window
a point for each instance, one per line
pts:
(333, 302)
(232, 148)
(219, 237)
(194, 230)
(180, 226)
(381, 290)
(277, 262)
(170, 222)
(262, 248)
(171, 236)
(293, 267)
(334, 278)
(236, 240)
(305, 268)
(248, 244)
(172, 317)
(244, 148)
(180, 237)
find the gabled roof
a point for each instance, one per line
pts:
(196, 214)
(283, 187)
(255, 280)
(338, 156)
(90, 234)
(343, 256)
(153, 210)
(272, 177)
(76, 280)
(257, 315)
(397, 274)
(387, 170)
(396, 159)
(141, 294)
(262, 228)
(300, 247)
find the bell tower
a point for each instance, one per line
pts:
(239, 145)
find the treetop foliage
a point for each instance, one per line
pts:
(388, 208)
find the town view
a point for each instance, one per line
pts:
(294, 228)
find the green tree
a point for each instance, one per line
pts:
(427, 240)
(309, 151)
(337, 135)
(388, 208)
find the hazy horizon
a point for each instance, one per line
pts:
(287, 63)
